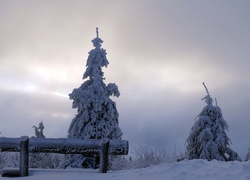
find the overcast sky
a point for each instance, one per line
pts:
(159, 51)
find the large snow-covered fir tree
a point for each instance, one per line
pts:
(97, 116)
(208, 138)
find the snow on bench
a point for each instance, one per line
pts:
(24, 145)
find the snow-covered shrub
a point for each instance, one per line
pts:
(10, 159)
(208, 138)
(145, 156)
(2, 159)
(45, 160)
(97, 116)
(40, 160)
(56, 160)
(121, 163)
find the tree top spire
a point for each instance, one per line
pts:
(97, 41)
(97, 33)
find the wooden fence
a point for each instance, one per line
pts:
(26, 145)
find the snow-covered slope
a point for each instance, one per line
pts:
(185, 170)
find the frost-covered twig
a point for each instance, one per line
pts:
(206, 88)
(216, 102)
(207, 98)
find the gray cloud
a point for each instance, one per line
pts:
(159, 51)
(20, 111)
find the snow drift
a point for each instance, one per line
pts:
(184, 170)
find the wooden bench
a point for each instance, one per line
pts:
(26, 145)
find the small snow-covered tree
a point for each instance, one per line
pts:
(97, 116)
(39, 130)
(208, 138)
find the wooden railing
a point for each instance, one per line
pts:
(26, 145)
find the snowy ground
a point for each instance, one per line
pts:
(185, 170)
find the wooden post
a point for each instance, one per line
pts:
(24, 156)
(104, 156)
